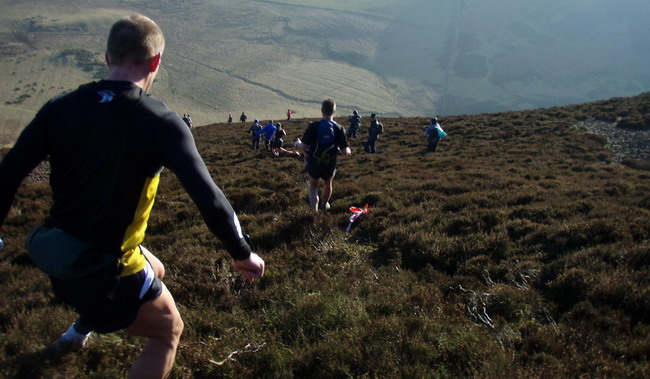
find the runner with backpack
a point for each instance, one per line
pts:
(323, 140)
(375, 129)
(434, 134)
(255, 131)
(355, 124)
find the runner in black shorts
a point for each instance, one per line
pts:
(107, 143)
(319, 169)
(105, 301)
(278, 139)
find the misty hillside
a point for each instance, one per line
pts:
(397, 58)
(520, 249)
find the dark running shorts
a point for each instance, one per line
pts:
(105, 303)
(320, 169)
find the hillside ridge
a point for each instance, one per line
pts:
(630, 143)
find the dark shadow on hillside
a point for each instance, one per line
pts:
(31, 365)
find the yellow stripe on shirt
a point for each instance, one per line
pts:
(134, 261)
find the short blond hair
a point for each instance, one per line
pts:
(134, 39)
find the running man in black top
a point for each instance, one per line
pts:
(318, 167)
(355, 124)
(107, 143)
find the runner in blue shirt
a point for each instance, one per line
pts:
(269, 132)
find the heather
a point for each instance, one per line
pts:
(520, 248)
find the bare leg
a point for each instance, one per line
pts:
(80, 339)
(327, 191)
(160, 321)
(291, 152)
(156, 264)
(313, 192)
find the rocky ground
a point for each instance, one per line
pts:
(40, 174)
(626, 143)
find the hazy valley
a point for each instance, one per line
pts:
(411, 58)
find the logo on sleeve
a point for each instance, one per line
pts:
(106, 96)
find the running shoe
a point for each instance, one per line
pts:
(69, 342)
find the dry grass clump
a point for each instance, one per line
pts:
(518, 249)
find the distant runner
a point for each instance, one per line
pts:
(269, 132)
(434, 134)
(375, 129)
(278, 141)
(355, 124)
(255, 131)
(322, 141)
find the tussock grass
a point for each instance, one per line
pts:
(518, 249)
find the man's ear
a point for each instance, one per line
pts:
(107, 59)
(155, 62)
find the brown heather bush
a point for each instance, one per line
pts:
(517, 250)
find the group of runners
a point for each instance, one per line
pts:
(321, 168)
(104, 183)
(273, 134)
(187, 119)
(374, 130)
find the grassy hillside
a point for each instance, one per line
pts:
(401, 58)
(220, 57)
(518, 250)
(46, 50)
